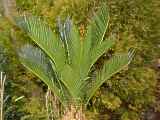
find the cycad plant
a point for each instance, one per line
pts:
(64, 61)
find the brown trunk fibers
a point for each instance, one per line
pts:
(74, 113)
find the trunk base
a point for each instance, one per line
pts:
(74, 113)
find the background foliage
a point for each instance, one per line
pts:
(130, 95)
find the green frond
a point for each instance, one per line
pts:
(71, 80)
(86, 53)
(100, 49)
(99, 25)
(72, 72)
(71, 39)
(94, 45)
(43, 36)
(64, 32)
(111, 67)
(37, 62)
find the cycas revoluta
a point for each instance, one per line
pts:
(63, 62)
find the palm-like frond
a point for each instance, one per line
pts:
(99, 25)
(36, 61)
(43, 36)
(111, 67)
(71, 39)
(91, 54)
(71, 73)
(94, 44)
(64, 32)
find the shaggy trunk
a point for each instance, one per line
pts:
(53, 106)
(74, 113)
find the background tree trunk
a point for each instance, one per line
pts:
(9, 9)
(2, 87)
